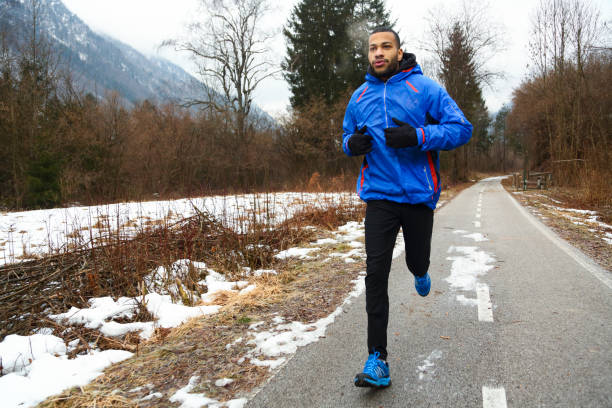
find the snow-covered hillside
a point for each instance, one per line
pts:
(98, 63)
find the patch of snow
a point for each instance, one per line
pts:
(278, 320)
(476, 236)
(260, 272)
(188, 400)
(586, 212)
(222, 382)
(427, 370)
(161, 307)
(296, 252)
(50, 372)
(271, 364)
(351, 231)
(172, 315)
(325, 241)
(17, 352)
(466, 301)
(467, 267)
(286, 338)
(247, 289)
(215, 282)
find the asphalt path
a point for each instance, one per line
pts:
(515, 318)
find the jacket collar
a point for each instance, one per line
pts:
(407, 66)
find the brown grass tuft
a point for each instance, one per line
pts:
(79, 398)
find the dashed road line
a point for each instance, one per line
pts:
(492, 397)
(485, 308)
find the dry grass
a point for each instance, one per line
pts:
(89, 400)
(303, 291)
(116, 266)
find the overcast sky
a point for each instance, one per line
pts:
(144, 24)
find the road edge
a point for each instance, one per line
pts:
(580, 257)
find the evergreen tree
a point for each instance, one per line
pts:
(368, 14)
(327, 47)
(459, 76)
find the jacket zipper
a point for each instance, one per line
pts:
(427, 177)
(385, 103)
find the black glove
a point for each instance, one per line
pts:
(359, 143)
(402, 136)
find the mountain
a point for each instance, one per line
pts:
(98, 63)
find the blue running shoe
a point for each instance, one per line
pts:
(422, 284)
(375, 373)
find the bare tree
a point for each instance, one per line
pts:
(482, 36)
(462, 44)
(563, 30)
(229, 48)
(567, 40)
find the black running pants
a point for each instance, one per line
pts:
(382, 222)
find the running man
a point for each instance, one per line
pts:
(399, 120)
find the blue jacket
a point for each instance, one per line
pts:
(411, 174)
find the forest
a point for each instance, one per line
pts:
(60, 145)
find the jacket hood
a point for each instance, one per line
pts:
(408, 61)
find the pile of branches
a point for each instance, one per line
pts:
(30, 291)
(52, 284)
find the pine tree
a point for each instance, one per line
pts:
(368, 15)
(459, 76)
(327, 47)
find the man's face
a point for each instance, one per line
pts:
(384, 54)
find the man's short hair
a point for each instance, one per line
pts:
(385, 29)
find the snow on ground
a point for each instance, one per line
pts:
(587, 218)
(301, 253)
(476, 236)
(25, 234)
(427, 370)
(470, 264)
(273, 344)
(36, 367)
(285, 338)
(189, 400)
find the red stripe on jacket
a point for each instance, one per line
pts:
(432, 169)
(362, 176)
(366, 88)
(412, 86)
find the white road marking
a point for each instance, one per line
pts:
(580, 258)
(494, 397)
(485, 308)
(477, 224)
